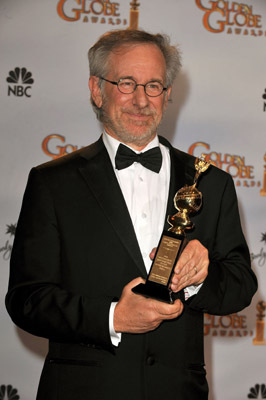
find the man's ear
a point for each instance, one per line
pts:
(95, 91)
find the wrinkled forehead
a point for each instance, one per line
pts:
(146, 54)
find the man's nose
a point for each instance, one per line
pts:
(139, 97)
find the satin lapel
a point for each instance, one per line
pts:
(99, 175)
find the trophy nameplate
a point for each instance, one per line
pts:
(187, 200)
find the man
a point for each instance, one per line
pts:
(85, 238)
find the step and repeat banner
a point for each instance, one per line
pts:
(217, 107)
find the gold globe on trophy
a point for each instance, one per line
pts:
(187, 200)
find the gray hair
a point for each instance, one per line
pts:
(111, 41)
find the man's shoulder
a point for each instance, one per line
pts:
(76, 158)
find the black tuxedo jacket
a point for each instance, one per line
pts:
(74, 251)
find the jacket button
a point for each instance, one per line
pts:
(150, 360)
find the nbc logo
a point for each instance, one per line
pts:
(264, 98)
(20, 75)
(7, 392)
(257, 392)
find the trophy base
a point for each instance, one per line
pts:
(158, 281)
(154, 291)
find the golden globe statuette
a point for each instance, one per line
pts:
(263, 190)
(134, 15)
(260, 324)
(187, 200)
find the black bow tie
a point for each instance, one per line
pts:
(151, 159)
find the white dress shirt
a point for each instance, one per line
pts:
(145, 193)
(146, 196)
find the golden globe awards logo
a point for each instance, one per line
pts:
(54, 146)
(234, 164)
(231, 17)
(232, 325)
(96, 11)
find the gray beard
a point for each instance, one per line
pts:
(125, 135)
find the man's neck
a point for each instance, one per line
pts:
(133, 145)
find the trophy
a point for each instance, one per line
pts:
(134, 15)
(187, 200)
(263, 190)
(260, 324)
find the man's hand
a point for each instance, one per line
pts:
(192, 266)
(137, 314)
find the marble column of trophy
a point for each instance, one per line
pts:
(187, 200)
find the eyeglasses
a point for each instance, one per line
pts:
(128, 86)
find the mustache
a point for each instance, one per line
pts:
(138, 111)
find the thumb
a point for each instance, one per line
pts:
(135, 282)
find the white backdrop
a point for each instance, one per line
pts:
(217, 107)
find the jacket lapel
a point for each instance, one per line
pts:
(99, 174)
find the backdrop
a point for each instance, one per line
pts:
(218, 107)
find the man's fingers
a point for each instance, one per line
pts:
(137, 314)
(192, 266)
(152, 253)
(168, 311)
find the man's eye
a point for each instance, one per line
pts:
(127, 83)
(154, 86)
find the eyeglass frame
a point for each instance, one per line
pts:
(136, 85)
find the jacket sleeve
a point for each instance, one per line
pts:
(37, 301)
(230, 283)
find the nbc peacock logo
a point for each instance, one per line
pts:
(264, 98)
(7, 392)
(21, 81)
(257, 392)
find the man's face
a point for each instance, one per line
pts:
(134, 118)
